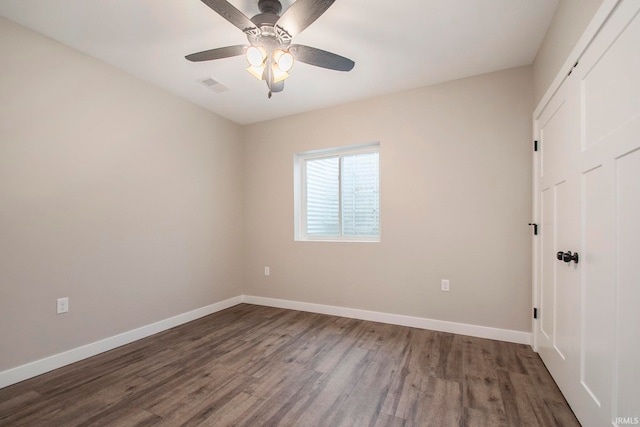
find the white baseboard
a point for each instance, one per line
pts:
(30, 370)
(518, 337)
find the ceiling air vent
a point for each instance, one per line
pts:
(214, 85)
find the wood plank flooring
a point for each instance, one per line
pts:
(260, 366)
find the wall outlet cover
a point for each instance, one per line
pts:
(62, 305)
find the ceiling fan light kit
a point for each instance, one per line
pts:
(279, 60)
(270, 53)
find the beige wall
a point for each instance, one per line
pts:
(569, 22)
(138, 205)
(456, 200)
(112, 192)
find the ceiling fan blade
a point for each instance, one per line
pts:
(321, 58)
(219, 53)
(301, 14)
(231, 14)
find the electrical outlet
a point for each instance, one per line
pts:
(267, 271)
(62, 305)
(444, 286)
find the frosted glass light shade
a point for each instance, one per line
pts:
(256, 55)
(283, 59)
(278, 74)
(257, 72)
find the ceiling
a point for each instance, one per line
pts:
(396, 45)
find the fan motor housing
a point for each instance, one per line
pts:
(265, 19)
(270, 6)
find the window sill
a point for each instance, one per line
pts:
(334, 240)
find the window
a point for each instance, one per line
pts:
(337, 194)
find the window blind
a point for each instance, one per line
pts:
(323, 191)
(360, 195)
(342, 196)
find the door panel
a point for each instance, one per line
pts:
(547, 265)
(566, 282)
(610, 120)
(628, 275)
(559, 281)
(610, 93)
(553, 134)
(597, 299)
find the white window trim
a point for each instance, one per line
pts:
(299, 192)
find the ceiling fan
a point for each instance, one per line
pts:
(270, 52)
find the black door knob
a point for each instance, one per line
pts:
(568, 257)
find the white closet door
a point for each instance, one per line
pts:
(558, 186)
(588, 332)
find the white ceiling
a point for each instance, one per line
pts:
(396, 45)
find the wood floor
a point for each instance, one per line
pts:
(260, 366)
